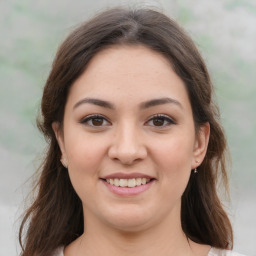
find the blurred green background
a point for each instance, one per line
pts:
(225, 33)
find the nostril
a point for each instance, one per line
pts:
(127, 152)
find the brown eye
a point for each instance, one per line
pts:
(158, 121)
(95, 121)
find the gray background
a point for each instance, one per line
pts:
(225, 32)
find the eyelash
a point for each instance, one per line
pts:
(161, 117)
(164, 118)
(90, 118)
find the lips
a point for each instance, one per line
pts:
(121, 175)
(124, 184)
(127, 179)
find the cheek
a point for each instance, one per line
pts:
(84, 160)
(177, 153)
(84, 152)
(84, 166)
(173, 160)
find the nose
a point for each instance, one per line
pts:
(127, 146)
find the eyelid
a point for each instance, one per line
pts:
(86, 119)
(170, 120)
(90, 117)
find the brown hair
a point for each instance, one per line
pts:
(56, 218)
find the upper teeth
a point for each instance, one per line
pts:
(128, 182)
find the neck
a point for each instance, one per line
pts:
(165, 238)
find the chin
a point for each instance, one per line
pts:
(130, 226)
(132, 220)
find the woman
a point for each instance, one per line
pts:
(135, 145)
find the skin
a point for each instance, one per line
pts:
(129, 138)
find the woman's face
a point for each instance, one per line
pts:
(128, 121)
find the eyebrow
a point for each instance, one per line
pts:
(143, 105)
(161, 101)
(97, 102)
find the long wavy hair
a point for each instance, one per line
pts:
(55, 217)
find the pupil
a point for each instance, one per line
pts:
(158, 122)
(97, 121)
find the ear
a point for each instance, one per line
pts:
(201, 144)
(60, 138)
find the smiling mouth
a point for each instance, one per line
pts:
(128, 183)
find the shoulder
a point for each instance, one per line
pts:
(58, 252)
(220, 252)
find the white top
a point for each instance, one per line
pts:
(216, 252)
(212, 252)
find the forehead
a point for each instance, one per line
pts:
(129, 60)
(129, 72)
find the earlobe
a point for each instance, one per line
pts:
(201, 144)
(63, 160)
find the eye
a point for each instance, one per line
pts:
(95, 121)
(160, 121)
